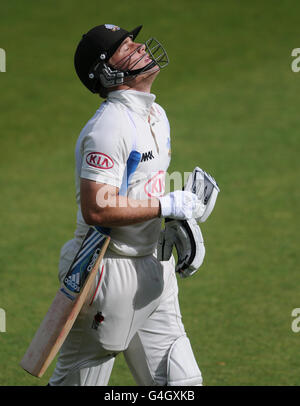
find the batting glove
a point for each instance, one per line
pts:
(181, 205)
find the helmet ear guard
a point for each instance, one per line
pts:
(110, 76)
(106, 75)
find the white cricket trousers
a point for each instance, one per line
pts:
(133, 308)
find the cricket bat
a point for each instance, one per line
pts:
(66, 305)
(73, 292)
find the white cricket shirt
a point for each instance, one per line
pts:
(128, 120)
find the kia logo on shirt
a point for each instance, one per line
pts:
(99, 160)
(155, 187)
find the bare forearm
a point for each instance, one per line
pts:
(122, 211)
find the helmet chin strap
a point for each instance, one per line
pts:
(136, 72)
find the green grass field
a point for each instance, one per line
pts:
(233, 104)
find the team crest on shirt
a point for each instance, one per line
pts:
(98, 319)
(112, 27)
(99, 160)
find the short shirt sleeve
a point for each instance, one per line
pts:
(105, 150)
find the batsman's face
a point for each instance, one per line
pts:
(130, 56)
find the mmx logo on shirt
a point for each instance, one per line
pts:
(147, 156)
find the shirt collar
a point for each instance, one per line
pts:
(139, 102)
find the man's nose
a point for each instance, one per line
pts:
(141, 48)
